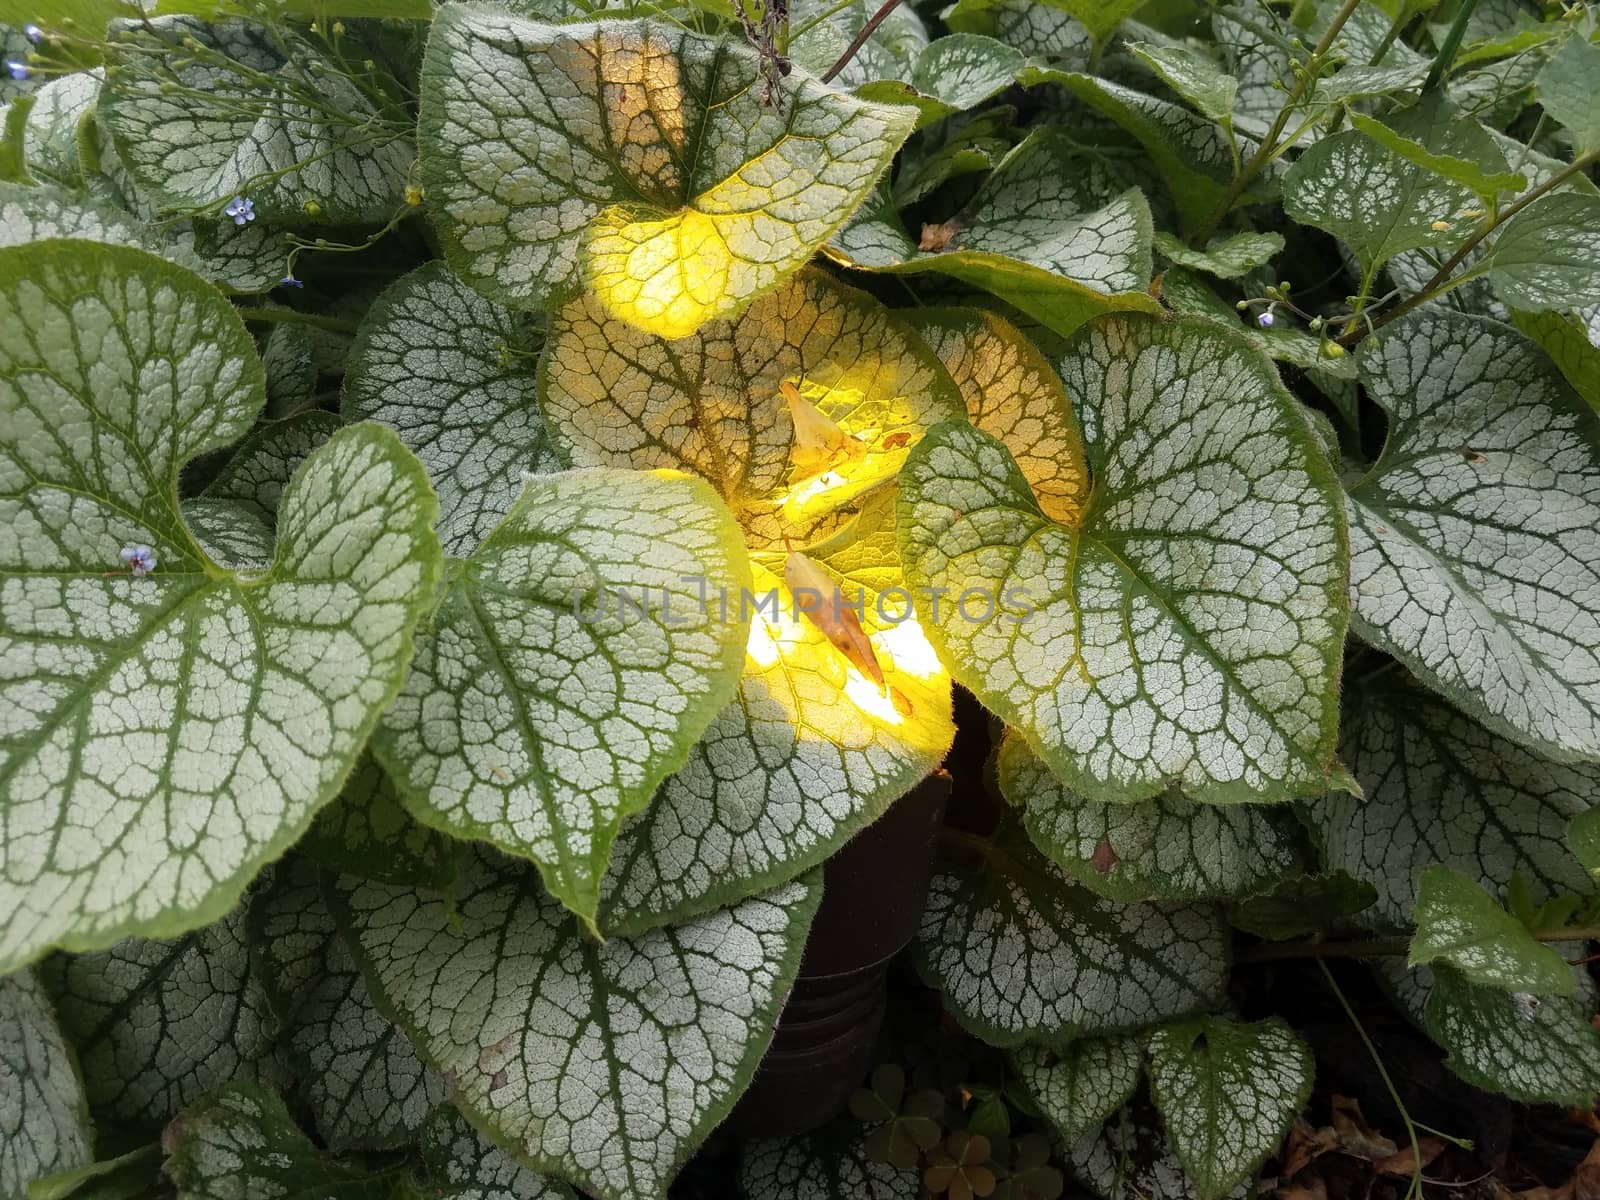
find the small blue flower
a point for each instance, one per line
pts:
(291, 281)
(1266, 320)
(140, 560)
(241, 209)
(17, 70)
(33, 33)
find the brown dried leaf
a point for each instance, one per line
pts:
(1402, 1163)
(937, 237)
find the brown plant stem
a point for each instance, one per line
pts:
(867, 31)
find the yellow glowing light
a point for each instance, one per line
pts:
(667, 276)
(761, 649)
(910, 650)
(865, 695)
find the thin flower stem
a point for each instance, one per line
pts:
(1440, 281)
(867, 31)
(1264, 153)
(1415, 1190)
(1447, 49)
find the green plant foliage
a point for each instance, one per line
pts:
(1021, 951)
(499, 505)
(1457, 924)
(1227, 1093)
(152, 654)
(1134, 616)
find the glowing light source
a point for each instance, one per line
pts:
(666, 275)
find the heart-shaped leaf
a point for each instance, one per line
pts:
(1079, 1085)
(182, 721)
(1188, 627)
(44, 1120)
(1020, 951)
(502, 992)
(1475, 538)
(570, 666)
(637, 158)
(1227, 1094)
(831, 1164)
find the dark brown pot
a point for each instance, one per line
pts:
(872, 896)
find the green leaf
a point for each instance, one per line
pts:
(1302, 905)
(33, 214)
(44, 1121)
(1374, 200)
(291, 371)
(903, 1127)
(259, 470)
(1548, 255)
(360, 1078)
(809, 752)
(1052, 231)
(1012, 393)
(831, 1164)
(1460, 925)
(1583, 835)
(1573, 344)
(954, 73)
(1099, 17)
(1022, 952)
(242, 700)
(1132, 1158)
(1191, 153)
(462, 1164)
(712, 404)
(50, 142)
(1038, 30)
(1441, 789)
(1226, 258)
(823, 28)
(637, 158)
(1566, 86)
(540, 708)
(1079, 1085)
(217, 134)
(1169, 848)
(501, 991)
(1485, 182)
(242, 1144)
(453, 375)
(158, 1024)
(1196, 78)
(1475, 538)
(1126, 648)
(1543, 1050)
(1227, 1094)
(368, 832)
